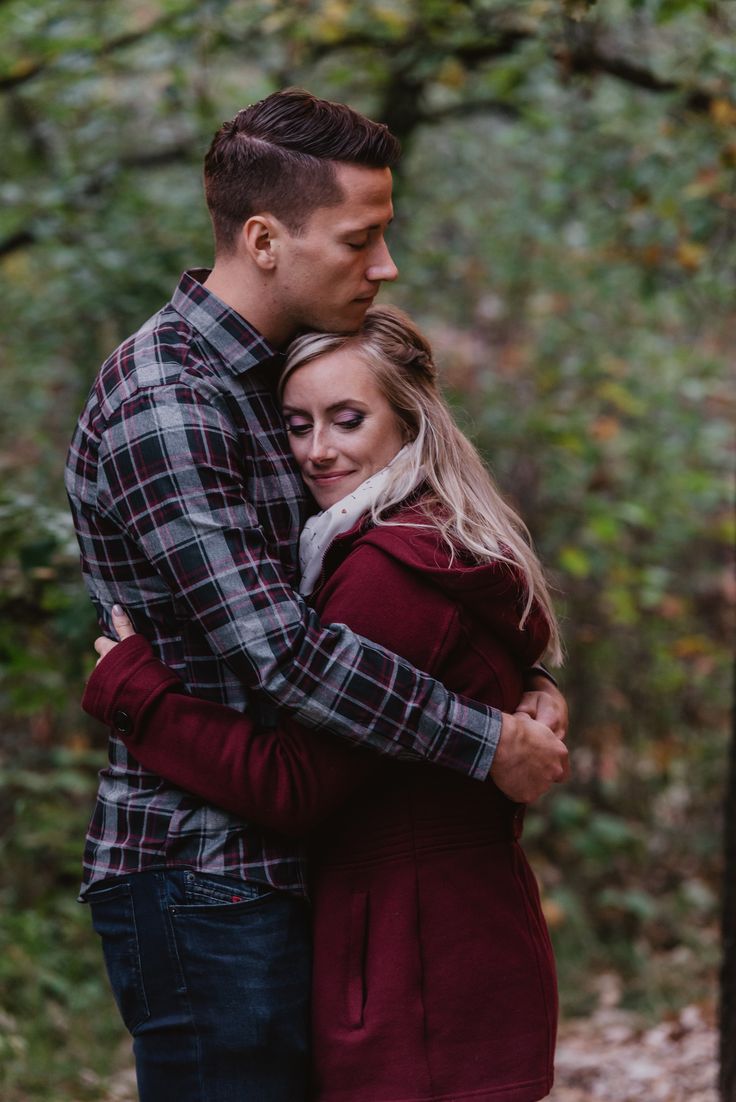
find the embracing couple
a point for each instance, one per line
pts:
(326, 707)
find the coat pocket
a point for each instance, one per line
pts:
(356, 962)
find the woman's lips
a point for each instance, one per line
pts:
(333, 476)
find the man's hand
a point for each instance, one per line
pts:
(123, 629)
(529, 758)
(544, 702)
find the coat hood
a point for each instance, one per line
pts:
(493, 593)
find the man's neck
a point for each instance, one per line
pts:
(251, 297)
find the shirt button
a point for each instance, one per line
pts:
(122, 721)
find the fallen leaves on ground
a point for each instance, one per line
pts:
(612, 1057)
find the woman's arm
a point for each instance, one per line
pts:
(286, 779)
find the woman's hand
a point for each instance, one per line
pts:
(123, 629)
(544, 702)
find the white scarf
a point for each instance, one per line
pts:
(321, 529)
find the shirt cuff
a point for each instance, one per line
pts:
(470, 738)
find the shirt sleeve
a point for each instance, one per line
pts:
(171, 474)
(285, 778)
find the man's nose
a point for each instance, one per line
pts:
(382, 268)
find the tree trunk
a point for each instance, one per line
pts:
(728, 967)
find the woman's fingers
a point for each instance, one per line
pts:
(103, 646)
(123, 627)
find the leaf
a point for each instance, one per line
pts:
(575, 562)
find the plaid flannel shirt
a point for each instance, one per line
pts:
(187, 506)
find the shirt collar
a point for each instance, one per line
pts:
(233, 338)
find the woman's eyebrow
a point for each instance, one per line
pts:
(344, 403)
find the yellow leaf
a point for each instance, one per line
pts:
(705, 183)
(391, 18)
(605, 428)
(575, 562)
(620, 398)
(452, 74)
(723, 112)
(332, 18)
(690, 255)
(22, 67)
(690, 646)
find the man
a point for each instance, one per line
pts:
(188, 506)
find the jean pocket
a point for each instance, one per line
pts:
(205, 892)
(113, 918)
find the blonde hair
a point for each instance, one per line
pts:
(458, 495)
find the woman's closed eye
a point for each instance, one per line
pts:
(350, 421)
(298, 427)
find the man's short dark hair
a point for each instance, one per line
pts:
(279, 155)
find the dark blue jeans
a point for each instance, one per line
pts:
(211, 977)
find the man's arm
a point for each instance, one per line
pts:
(171, 475)
(272, 776)
(277, 777)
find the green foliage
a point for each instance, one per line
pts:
(565, 233)
(59, 1034)
(45, 622)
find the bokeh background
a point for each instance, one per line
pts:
(566, 233)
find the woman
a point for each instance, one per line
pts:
(433, 972)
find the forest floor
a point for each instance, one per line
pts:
(611, 1056)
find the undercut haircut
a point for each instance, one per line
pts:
(278, 156)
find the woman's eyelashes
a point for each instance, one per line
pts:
(350, 421)
(347, 421)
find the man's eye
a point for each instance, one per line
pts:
(357, 244)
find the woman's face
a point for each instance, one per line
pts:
(341, 428)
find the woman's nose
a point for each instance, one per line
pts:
(321, 449)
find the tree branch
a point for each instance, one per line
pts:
(11, 80)
(591, 62)
(19, 240)
(158, 158)
(481, 106)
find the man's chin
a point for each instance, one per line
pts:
(348, 321)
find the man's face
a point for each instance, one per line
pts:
(329, 274)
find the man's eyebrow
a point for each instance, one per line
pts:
(367, 229)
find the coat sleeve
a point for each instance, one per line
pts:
(289, 778)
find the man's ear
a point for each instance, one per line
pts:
(260, 237)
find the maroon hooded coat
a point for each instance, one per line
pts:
(433, 971)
